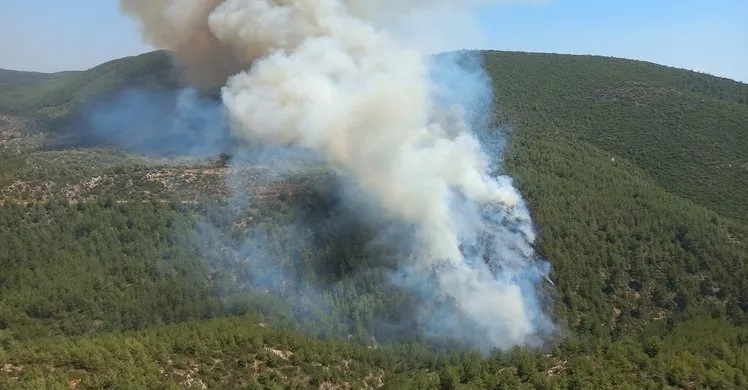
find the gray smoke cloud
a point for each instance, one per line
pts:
(182, 28)
(341, 78)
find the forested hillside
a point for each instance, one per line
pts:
(50, 96)
(9, 78)
(685, 130)
(125, 270)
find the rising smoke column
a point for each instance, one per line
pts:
(329, 76)
(181, 26)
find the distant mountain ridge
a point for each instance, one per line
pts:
(628, 107)
(15, 77)
(51, 96)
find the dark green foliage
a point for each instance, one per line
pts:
(635, 174)
(75, 269)
(51, 96)
(688, 131)
(9, 78)
(109, 265)
(620, 243)
(244, 353)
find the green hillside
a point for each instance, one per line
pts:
(635, 173)
(686, 130)
(11, 78)
(51, 96)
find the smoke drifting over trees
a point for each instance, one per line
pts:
(336, 78)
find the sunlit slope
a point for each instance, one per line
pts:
(689, 131)
(50, 96)
(650, 264)
(11, 78)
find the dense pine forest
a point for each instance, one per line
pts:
(121, 270)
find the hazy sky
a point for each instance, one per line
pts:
(704, 35)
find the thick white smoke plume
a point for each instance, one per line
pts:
(333, 76)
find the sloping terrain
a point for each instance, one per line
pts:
(38, 110)
(114, 262)
(50, 96)
(686, 130)
(19, 134)
(84, 175)
(14, 78)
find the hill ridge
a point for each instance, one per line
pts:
(120, 268)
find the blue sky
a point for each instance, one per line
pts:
(704, 35)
